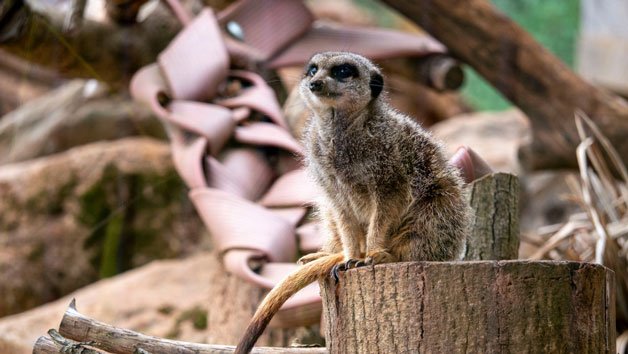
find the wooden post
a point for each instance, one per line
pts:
(495, 231)
(471, 307)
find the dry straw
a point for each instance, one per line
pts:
(600, 234)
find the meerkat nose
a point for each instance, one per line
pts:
(316, 86)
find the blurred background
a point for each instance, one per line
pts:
(92, 206)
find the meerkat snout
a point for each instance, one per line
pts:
(316, 86)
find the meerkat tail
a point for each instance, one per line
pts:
(294, 282)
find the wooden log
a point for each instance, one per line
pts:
(81, 328)
(495, 231)
(77, 113)
(524, 72)
(471, 307)
(45, 345)
(110, 52)
(440, 72)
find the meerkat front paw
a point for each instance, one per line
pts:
(379, 257)
(312, 257)
(341, 267)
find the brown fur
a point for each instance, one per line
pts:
(388, 192)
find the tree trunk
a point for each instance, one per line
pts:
(109, 52)
(471, 307)
(524, 72)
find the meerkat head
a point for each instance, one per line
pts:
(343, 81)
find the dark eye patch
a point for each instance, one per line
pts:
(344, 71)
(311, 70)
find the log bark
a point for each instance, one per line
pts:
(495, 231)
(524, 72)
(472, 307)
(81, 328)
(440, 72)
(110, 52)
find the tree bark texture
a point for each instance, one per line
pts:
(524, 72)
(495, 231)
(472, 307)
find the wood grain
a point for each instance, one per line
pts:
(495, 231)
(471, 307)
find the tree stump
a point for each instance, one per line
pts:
(472, 307)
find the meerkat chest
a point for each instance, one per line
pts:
(364, 161)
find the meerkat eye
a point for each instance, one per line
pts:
(312, 70)
(344, 71)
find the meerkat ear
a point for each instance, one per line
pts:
(376, 84)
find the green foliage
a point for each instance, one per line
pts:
(553, 23)
(96, 213)
(127, 216)
(109, 262)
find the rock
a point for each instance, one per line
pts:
(178, 299)
(77, 113)
(495, 136)
(67, 220)
(147, 299)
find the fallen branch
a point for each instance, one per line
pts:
(80, 328)
(110, 52)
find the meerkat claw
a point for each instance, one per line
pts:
(350, 262)
(359, 264)
(340, 267)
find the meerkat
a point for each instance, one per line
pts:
(389, 194)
